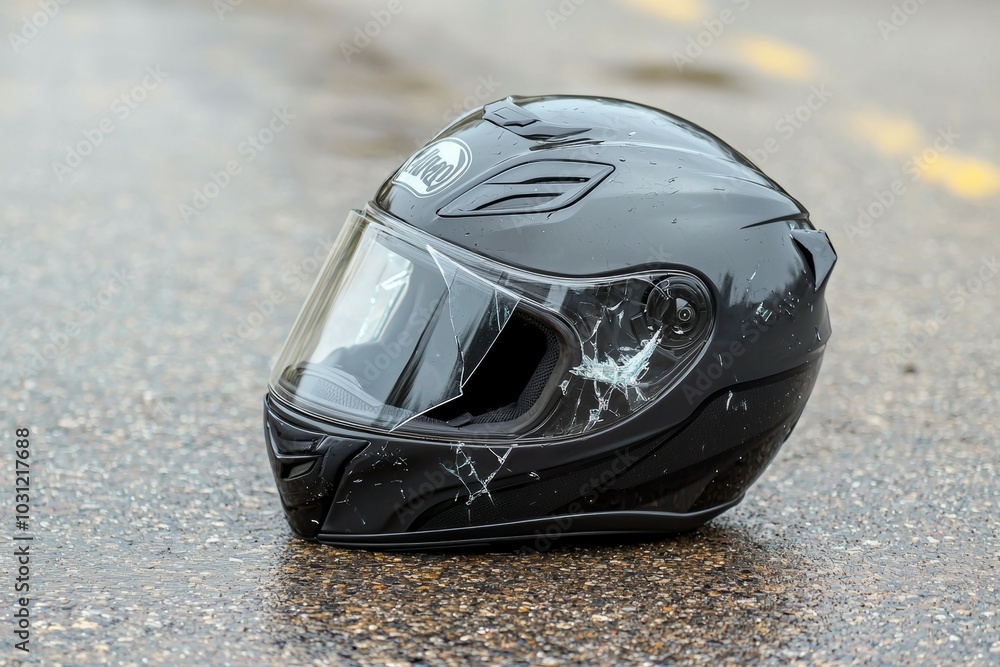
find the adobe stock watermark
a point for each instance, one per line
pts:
(223, 7)
(790, 123)
(712, 29)
(562, 12)
(482, 93)
(419, 497)
(588, 492)
(957, 299)
(704, 380)
(364, 35)
(402, 346)
(203, 195)
(884, 199)
(296, 277)
(899, 17)
(121, 108)
(32, 24)
(611, 129)
(36, 358)
(657, 255)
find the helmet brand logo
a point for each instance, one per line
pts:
(435, 167)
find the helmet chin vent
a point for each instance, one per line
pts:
(536, 187)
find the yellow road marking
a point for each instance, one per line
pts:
(778, 58)
(891, 135)
(680, 11)
(765, 54)
(967, 177)
(899, 136)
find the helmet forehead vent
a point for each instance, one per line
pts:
(534, 187)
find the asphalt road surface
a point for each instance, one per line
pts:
(139, 322)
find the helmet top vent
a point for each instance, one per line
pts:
(534, 187)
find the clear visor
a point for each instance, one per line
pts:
(403, 329)
(391, 330)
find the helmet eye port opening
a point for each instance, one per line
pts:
(512, 388)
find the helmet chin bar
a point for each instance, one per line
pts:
(353, 488)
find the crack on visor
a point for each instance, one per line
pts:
(473, 329)
(622, 375)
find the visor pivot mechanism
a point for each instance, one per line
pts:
(685, 314)
(676, 308)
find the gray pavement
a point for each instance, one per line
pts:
(152, 259)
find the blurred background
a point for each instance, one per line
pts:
(173, 174)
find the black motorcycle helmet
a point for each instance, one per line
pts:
(562, 316)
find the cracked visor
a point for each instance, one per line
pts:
(392, 329)
(403, 331)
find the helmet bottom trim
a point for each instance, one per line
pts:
(536, 534)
